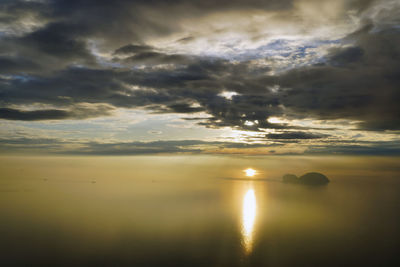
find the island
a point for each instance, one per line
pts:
(310, 178)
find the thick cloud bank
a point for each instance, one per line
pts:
(291, 59)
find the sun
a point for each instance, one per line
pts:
(250, 172)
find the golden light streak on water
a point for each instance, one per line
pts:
(249, 213)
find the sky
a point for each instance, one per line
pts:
(249, 77)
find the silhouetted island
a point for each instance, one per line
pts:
(311, 178)
(290, 178)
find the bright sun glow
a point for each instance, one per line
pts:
(250, 172)
(248, 219)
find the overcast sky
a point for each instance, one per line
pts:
(203, 76)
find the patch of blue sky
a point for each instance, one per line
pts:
(104, 62)
(286, 53)
(283, 48)
(21, 77)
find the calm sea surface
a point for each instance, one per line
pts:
(198, 211)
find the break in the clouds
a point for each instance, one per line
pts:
(303, 75)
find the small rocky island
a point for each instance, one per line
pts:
(311, 178)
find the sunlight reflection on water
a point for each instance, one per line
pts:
(248, 218)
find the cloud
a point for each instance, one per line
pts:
(357, 83)
(390, 148)
(85, 59)
(156, 58)
(57, 146)
(176, 108)
(76, 147)
(49, 114)
(80, 111)
(295, 135)
(133, 49)
(11, 65)
(347, 55)
(345, 86)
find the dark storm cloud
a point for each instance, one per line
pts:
(62, 28)
(12, 11)
(355, 83)
(23, 145)
(295, 135)
(54, 64)
(156, 58)
(78, 112)
(133, 49)
(358, 83)
(348, 55)
(53, 47)
(177, 89)
(49, 114)
(63, 88)
(11, 65)
(119, 22)
(58, 40)
(145, 54)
